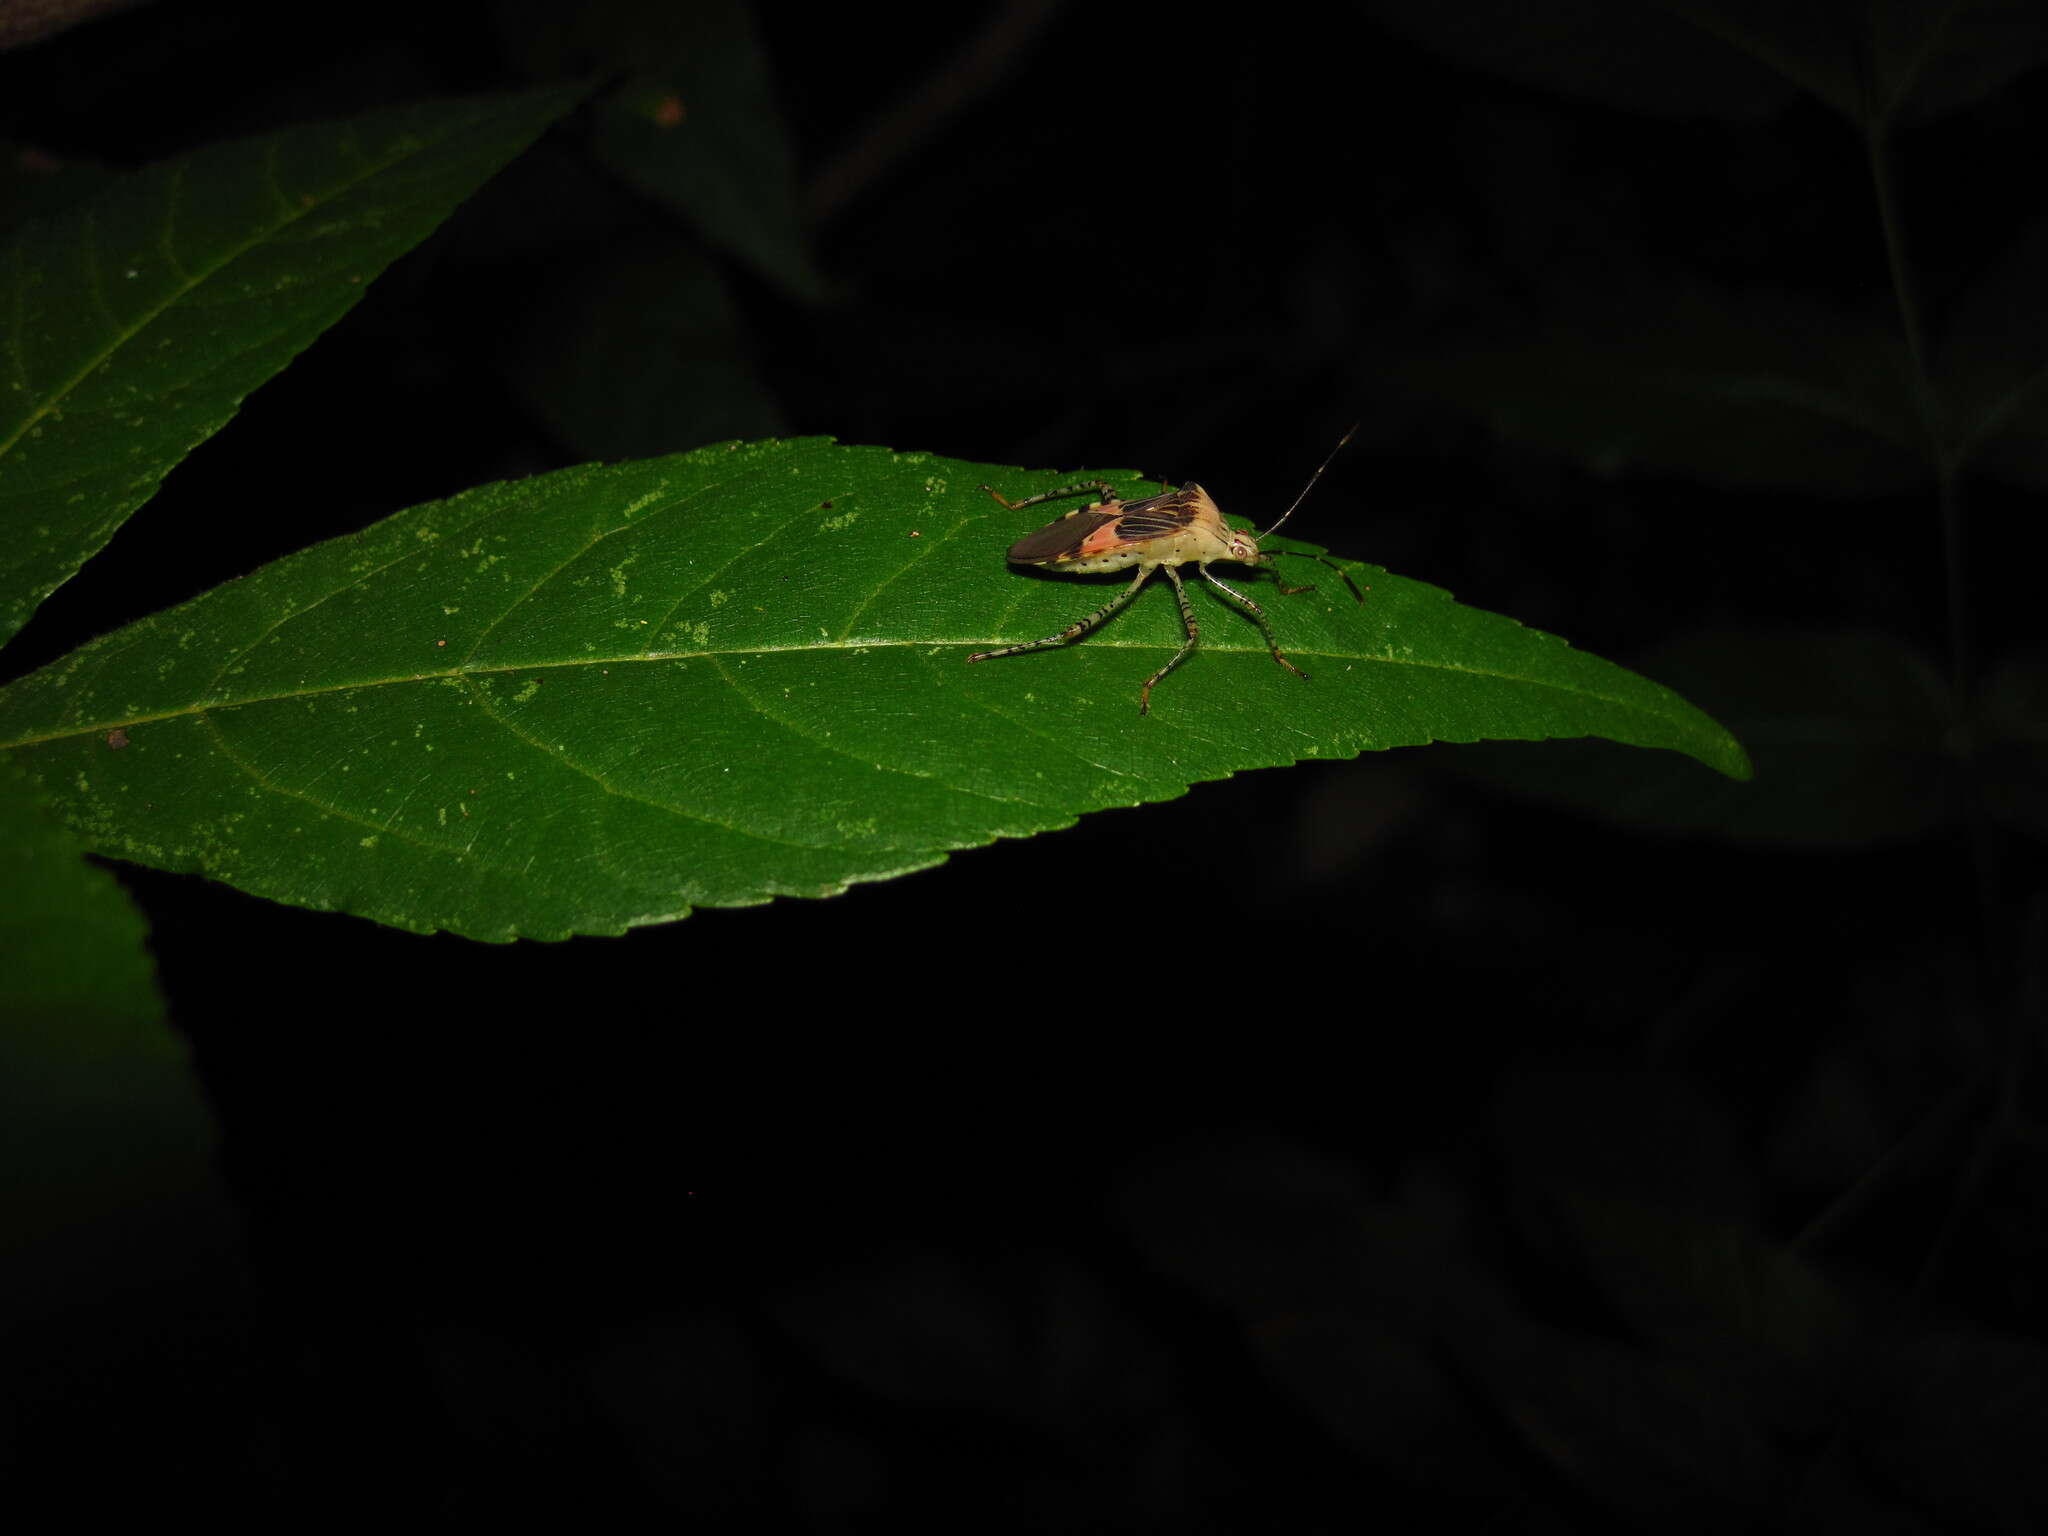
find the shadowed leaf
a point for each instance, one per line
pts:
(135, 322)
(1851, 729)
(1744, 390)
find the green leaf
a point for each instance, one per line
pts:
(601, 697)
(1992, 371)
(2011, 729)
(136, 322)
(1871, 60)
(642, 349)
(695, 126)
(1737, 389)
(35, 184)
(1853, 731)
(73, 941)
(102, 1126)
(1876, 61)
(1670, 1231)
(1619, 53)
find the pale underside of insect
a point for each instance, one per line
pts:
(1160, 533)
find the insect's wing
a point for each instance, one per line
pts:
(1160, 516)
(1063, 539)
(1099, 529)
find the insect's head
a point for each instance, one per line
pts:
(1244, 547)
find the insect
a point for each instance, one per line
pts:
(1162, 532)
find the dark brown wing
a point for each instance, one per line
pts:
(1174, 509)
(1136, 527)
(1136, 521)
(1059, 540)
(1157, 517)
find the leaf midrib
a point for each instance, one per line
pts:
(1097, 643)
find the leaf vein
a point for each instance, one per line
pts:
(674, 608)
(583, 771)
(235, 251)
(916, 559)
(824, 745)
(257, 777)
(1632, 706)
(1048, 739)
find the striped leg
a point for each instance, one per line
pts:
(1258, 616)
(1187, 617)
(1072, 631)
(1106, 490)
(1287, 591)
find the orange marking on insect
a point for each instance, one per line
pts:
(1102, 541)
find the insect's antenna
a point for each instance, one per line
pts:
(1312, 479)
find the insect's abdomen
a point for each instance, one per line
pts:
(1115, 560)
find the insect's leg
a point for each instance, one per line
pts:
(1108, 493)
(1287, 591)
(1258, 617)
(1187, 617)
(1072, 631)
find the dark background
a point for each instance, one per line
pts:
(1465, 1125)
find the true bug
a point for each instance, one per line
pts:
(1162, 532)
